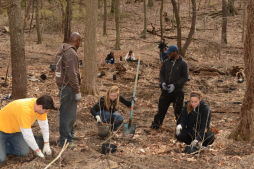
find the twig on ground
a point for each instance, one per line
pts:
(59, 155)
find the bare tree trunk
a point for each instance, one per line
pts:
(1, 10)
(145, 21)
(117, 20)
(245, 129)
(63, 14)
(224, 22)
(150, 3)
(231, 8)
(105, 18)
(19, 80)
(112, 6)
(89, 73)
(68, 17)
(192, 29)
(244, 20)
(99, 4)
(32, 18)
(38, 27)
(178, 24)
(27, 12)
(161, 19)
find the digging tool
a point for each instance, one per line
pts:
(129, 128)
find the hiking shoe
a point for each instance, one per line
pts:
(154, 126)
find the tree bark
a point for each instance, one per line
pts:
(192, 29)
(112, 6)
(245, 129)
(105, 18)
(117, 20)
(150, 3)
(38, 27)
(89, 71)
(19, 80)
(178, 25)
(68, 18)
(161, 19)
(224, 22)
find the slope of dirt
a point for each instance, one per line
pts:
(210, 65)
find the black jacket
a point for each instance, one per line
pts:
(100, 106)
(197, 121)
(174, 72)
(110, 59)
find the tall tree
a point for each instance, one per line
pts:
(18, 64)
(183, 49)
(245, 128)
(224, 22)
(150, 3)
(68, 18)
(145, 21)
(38, 25)
(178, 25)
(231, 8)
(1, 10)
(117, 20)
(89, 71)
(112, 6)
(161, 19)
(105, 18)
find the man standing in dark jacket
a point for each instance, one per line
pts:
(173, 75)
(68, 82)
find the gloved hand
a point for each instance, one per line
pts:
(194, 143)
(78, 96)
(171, 88)
(133, 99)
(164, 86)
(39, 153)
(98, 118)
(46, 149)
(178, 129)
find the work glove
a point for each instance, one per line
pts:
(171, 88)
(98, 118)
(164, 86)
(133, 99)
(178, 129)
(78, 96)
(194, 143)
(39, 153)
(46, 149)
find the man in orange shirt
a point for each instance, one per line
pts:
(16, 120)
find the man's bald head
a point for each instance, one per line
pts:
(75, 39)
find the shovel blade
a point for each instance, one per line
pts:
(129, 129)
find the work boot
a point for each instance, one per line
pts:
(155, 126)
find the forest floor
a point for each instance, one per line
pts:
(211, 68)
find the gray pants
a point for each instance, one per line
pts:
(68, 110)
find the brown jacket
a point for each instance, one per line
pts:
(67, 68)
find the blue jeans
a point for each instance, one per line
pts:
(12, 144)
(68, 110)
(116, 119)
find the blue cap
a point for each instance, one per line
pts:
(172, 49)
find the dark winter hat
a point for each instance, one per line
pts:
(172, 49)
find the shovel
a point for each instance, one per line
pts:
(129, 128)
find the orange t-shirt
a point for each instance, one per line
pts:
(19, 114)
